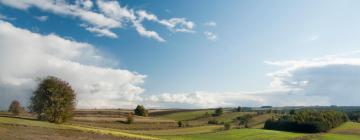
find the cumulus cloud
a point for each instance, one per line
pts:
(110, 15)
(26, 56)
(41, 18)
(210, 35)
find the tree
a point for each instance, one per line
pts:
(180, 124)
(15, 107)
(129, 118)
(141, 111)
(219, 111)
(54, 100)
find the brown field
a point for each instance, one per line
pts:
(20, 132)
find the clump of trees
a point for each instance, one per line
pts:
(308, 121)
(15, 108)
(141, 111)
(53, 100)
(219, 111)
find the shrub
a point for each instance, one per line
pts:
(219, 111)
(213, 122)
(227, 126)
(244, 120)
(54, 99)
(15, 107)
(180, 124)
(310, 121)
(129, 118)
(141, 111)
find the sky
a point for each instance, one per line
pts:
(183, 53)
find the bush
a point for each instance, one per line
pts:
(141, 111)
(129, 118)
(54, 99)
(213, 122)
(15, 107)
(227, 126)
(219, 111)
(309, 121)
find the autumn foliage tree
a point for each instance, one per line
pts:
(54, 99)
(15, 107)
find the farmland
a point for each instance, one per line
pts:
(109, 125)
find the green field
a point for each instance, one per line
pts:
(181, 131)
(236, 134)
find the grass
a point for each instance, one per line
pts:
(239, 134)
(187, 115)
(182, 131)
(5, 120)
(330, 136)
(352, 128)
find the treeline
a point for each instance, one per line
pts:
(308, 121)
(354, 116)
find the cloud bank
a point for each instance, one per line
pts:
(327, 80)
(27, 56)
(105, 16)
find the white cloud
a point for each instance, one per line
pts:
(210, 35)
(111, 15)
(334, 77)
(101, 31)
(26, 56)
(41, 18)
(202, 99)
(210, 24)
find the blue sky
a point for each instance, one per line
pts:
(251, 41)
